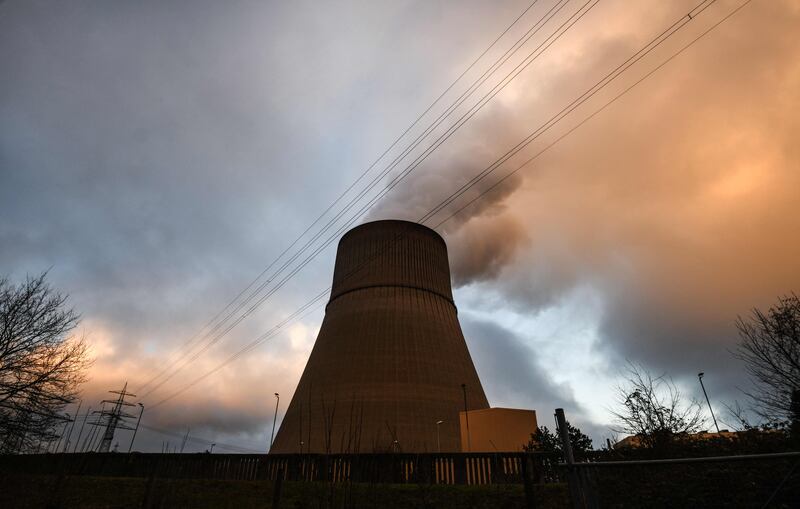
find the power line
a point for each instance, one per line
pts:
(558, 33)
(689, 17)
(538, 25)
(319, 233)
(198, 440)
(599, 110)
(162, 431)
(566, 25)
(272, 332)
(351, 186)
(309, 306)
(477, 107)
(577, 102)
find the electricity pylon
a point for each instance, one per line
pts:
(115, 417)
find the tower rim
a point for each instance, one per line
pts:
(377, 222)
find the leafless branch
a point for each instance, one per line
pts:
(653, 409)
(770, 348)
(41, 365)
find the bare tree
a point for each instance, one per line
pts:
(770, 349)
(654, 410)
(41, 364)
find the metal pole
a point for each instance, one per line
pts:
(185, 438)
(212, 448)
(438, 443)
(700, 377)
(69, 437)
(96, 440)
(574, 481)
(63, 433)
(137, 427)
(563, 430)
(300, 422)
(274, 419)
(466, 417)
(80, 433)
(87, 443)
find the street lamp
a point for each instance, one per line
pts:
(700, 377)
(438, 444)
(212, 448)
(274, 419)
(141, 411)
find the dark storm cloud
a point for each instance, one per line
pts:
(512, 377)
(102, 117)
(505, 361)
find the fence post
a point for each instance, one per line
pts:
(526, 465)
(578, 489)
(276, 489)
(460, 468)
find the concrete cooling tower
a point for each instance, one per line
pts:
(390, 358)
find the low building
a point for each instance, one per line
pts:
(635, 441)
(496, 429)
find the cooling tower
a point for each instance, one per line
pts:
(390, 358)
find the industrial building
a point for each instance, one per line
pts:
(390, 370)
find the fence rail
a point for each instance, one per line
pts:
(457, 468)
(746, 480)
(597, 481)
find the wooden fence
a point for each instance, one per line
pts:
(460, 468)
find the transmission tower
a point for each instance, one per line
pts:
(114, 418)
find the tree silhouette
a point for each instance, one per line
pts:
(770, 349)
(41, 365)
(654, 410)
(545, 440)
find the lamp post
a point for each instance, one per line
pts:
(274, 419)
(141, 411)
(438, 444)
(700, 377)
(212, 448)
(466, 417)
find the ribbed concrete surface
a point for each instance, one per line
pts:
(390, 357)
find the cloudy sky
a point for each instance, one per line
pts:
(156, 157)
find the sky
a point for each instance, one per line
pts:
(155, 157)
